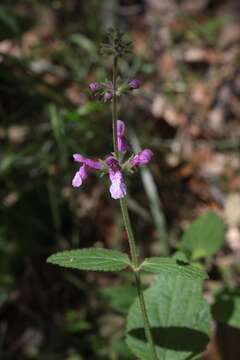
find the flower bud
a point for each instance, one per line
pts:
(94, 86)
(107, 96)
(134, 84)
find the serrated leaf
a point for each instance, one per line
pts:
(226, 308)
(179, 317)
(172, 266)
(91, 259)
(204, 237)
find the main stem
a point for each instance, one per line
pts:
(114, 107)
(128, 227)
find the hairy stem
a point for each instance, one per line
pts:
(132, 245)
(128, 227)
(114, 107)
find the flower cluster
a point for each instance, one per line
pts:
(111, 165)
(105, 90)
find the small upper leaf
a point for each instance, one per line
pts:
(172, 266)
(91, 259)
(226, 307)
(204, 237)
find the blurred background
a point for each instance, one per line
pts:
(187, 55)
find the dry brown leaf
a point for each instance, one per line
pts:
(18, 133)
(173, 117)
(158, 106)
(232, 209)
(233, 238)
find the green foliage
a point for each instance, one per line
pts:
(120, 347)
(172, 266)
(208, 31)
(226, 307)
(204, 237)
(12, 24)
(76, 323)
(119, 297)
(91, 259)
(179, 317)
(85, 43)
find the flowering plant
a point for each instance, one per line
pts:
(170, 320)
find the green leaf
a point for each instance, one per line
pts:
(204, 237)
(92, 259)
(84, 43)
(172, 266)
(226, 308)
(179, 317)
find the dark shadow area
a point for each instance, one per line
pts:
(224, 311)
(176, 338)
(223, 308)
(228, 339)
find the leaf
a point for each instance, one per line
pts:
(226, 308)
(204, 237)
(172, 266)
(121, 349)
(179, 318)
(92, 259)
(84, 43)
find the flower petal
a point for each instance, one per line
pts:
(142, 158)
(120, 128)
(83, 172)
(79, 158)
(118, 187)
(112, 163)
(77, 180)
(92, 164)
(89, 162)
(121, 139)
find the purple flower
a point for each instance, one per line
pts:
(121, 139)
(94, 86)
(82, 173)
(118, 187)
(142, 158)
(107, 96)
(134, 84)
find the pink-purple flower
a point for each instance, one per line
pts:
(121, 138)
(82, 173)
(142, 158)
(118, 187)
